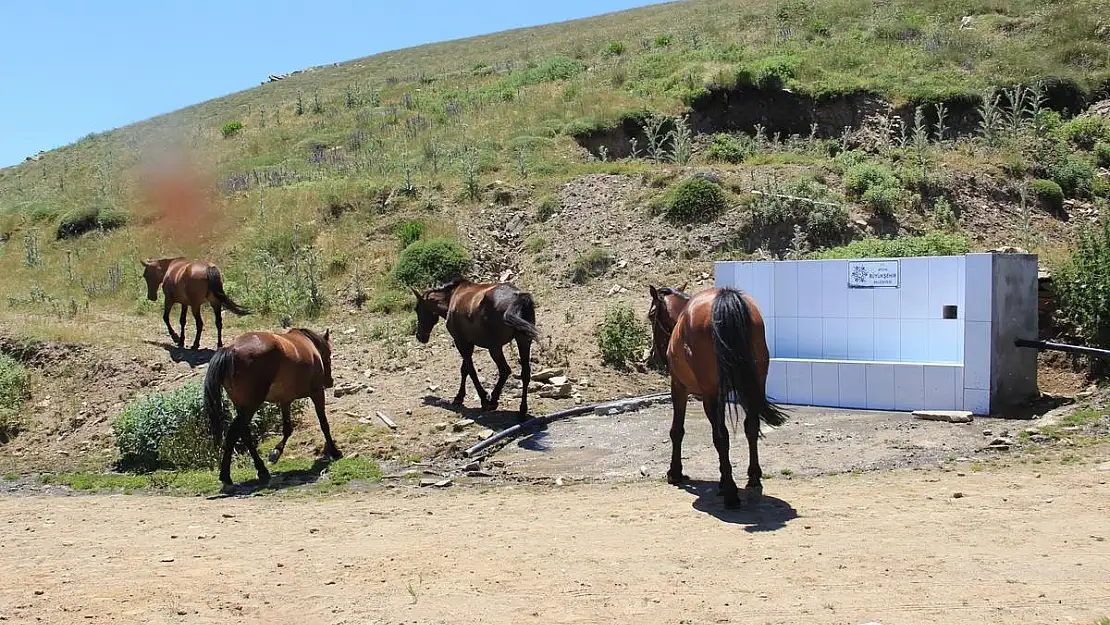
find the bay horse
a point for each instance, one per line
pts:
(482, 315)
(716, 348)
(190, 283)
(263, 366)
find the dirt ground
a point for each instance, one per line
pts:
(1021, 545)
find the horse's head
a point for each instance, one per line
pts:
(322, 343)
(153, 273)
(431, 306)
(666, 305)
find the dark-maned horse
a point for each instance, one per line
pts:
(482, 315)
(260, 367)
(716, 348)
(190, 283)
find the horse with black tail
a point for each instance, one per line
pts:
(716, 348)
(190, 283)
(482, 315)
(260, 367)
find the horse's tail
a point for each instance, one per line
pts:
(216, 286)
(521, 316)
(736, 373)
(219, 368)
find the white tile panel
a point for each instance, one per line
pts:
(977, 355)
(861, 303)
(909, 387)
(776, 381)
(834, 289)
(944, 285)
(810, 291)
(977, 287)
(944, 343)
(880, 386)
(835, 337)
(786, 337)
(769, 326)
(763, 288)
(861, 339)
(786, 289)
(886, 303)
(853, 385)
(888, 339)
(977, 401)
(914, 341)
(913, 280)
(940, 387)
(811, 343)
(799, 382)
(745, 277)
(826, 384)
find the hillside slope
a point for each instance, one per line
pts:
(561, 157)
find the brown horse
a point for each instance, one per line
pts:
(259, 367)
(482, 315)
(717, 349)
(190, 283)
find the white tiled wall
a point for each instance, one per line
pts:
(883, 348)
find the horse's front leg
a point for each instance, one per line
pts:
(167, 308)
(679, 397)
(330, 450)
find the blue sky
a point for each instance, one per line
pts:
(71, 68)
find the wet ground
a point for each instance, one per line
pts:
(815, 441)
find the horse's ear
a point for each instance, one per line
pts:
(682, 289)
(327, 335)
(416, 293)
(654, 293)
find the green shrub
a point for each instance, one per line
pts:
(590, 265)
(169, 430)
(861, 176)
(1102, 154)
(826, 224)
(728, 149)
(231, 129)
(943, 215)
(547, 208)
(696, 200)
(614, 48)
(1049, 194)
(621, 337)
(535, 245)
(1075, 176)
(1085, 131)
(885, 200)
(410, 232)
(78, 222)
(1082, 284)
(932, 244)
(15, 389)
(661, 41)
(772, 72)
(431, 261)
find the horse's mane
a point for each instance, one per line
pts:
(450, 286)
(669, 291)
(319, 341)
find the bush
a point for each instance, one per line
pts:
(885, 200)
(431, 261)
(826, 224)
(410, 232)
(1102, 154)
(696, 200)
(621, 337)
(1082, 284)
(535, 245)
(1075, 176)
(78, 222)
(861, 176)
(932, 244)
(772, 72)
(231, 129)
(590, 265)
(169, 430)
(1049, 194)
(943, 215)
(728, 149)
(614, 48)
(15, 389)
(1085, 131)
(389, 302)
(547, 208)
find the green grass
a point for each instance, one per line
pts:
(336, 475)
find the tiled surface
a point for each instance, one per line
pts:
(909, 356)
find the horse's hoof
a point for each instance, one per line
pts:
(733, 502)
(195, 347)
(264, 479)
(753, 494)
(333, 453)
(227, 488)
(522, 417)
(672, 478)
(275, 455)
(458, 401)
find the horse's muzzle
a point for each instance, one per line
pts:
(424, 338)
(152, 297)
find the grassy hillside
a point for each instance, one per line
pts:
(312, 175)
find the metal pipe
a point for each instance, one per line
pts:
(1062, 347)
(555, 416)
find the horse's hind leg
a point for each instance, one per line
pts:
(716, 414)
(679, 397)
(755, 473)
(329, 445)
(524, 346)
(286, 432)
(218, 314)
(184, 313)
(167, 308)
(503, 372)
(200, 326)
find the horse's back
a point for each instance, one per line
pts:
(692, 351)
(288, 365)
(188, 280)
(477, 313)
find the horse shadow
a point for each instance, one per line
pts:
(279, 480)
(495, 420)
(194, 357)
(769, 515)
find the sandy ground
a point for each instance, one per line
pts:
(1021, 545)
